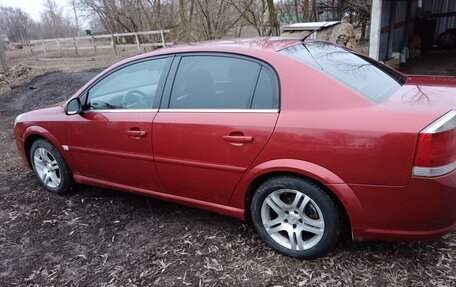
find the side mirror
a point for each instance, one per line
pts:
(74, 107)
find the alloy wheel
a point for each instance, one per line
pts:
(292, 219)
(46, 167)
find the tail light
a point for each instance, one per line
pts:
(436, 149)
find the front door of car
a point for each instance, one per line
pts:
(111, 140)
(215, 118)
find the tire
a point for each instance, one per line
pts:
(50, 167)
(447, 39)
(286, 209)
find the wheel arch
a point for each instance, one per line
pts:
(343, 195)
(33, 133)
(29, 140)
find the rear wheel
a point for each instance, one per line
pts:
(447, 39)
(50, 167)
(296, 217)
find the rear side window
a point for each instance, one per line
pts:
(361, 74)
(266, 92)
(221, 82)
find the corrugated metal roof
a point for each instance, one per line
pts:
(438, 8)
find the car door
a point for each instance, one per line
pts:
(216, 117)
(111, 140)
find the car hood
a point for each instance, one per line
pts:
(45, 114)
(59, 104)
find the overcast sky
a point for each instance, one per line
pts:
(34, 7)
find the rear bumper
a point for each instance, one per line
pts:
(422, 210)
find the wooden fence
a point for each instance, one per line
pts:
(90, 42)
(2, 56)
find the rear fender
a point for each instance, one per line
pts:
(310, 170)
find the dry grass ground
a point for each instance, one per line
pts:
(40, 63)
(99, 237)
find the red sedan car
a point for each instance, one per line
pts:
(303, 139)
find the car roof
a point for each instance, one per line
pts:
(270, 44)
(242, 46)
(262, 43)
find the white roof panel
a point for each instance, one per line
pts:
(309, 26)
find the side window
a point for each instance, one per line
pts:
(267, 91)
(214, 82)
(131, 87)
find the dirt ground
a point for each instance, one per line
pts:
(24, 66)
(100, 237)
(435, 62)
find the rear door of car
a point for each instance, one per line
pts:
(111, 140)
(217, 114)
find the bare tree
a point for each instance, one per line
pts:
(53, 23)
(296, 9)
(215, 18)
(254, 14)
(15, 23)
(73, 4)
(273, 21)
(358, 12)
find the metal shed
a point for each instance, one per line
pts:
(394, 22)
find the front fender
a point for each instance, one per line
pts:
(318, 173)
(42, 132)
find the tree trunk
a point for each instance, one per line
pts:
(273, 22)
(314, 10)
(363, 31)
(159, 22)
(305, 10)
(296, 10)
(183, 33)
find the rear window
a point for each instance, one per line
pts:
(360, 73)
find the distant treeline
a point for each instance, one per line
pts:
(190, 20)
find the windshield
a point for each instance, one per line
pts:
(360, 73)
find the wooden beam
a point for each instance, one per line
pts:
(162, 35)
(113, 44)
(94, 45)
(137, 43)
(44, 46)
(375, 29)
(58, 46)
(75, 43)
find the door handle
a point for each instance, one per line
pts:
(238, 139)
(136, 134)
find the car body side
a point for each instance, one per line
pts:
(359, 151)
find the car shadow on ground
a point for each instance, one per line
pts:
(213, 221)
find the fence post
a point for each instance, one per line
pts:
(75, 43)
(44, 46)
(113, 43)
(137, 43)
(2, 56)
(31, 48)
(58, 46)
(94, 45)
(163, 38)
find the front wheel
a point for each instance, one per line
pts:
(50, 167)
(296, 217)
